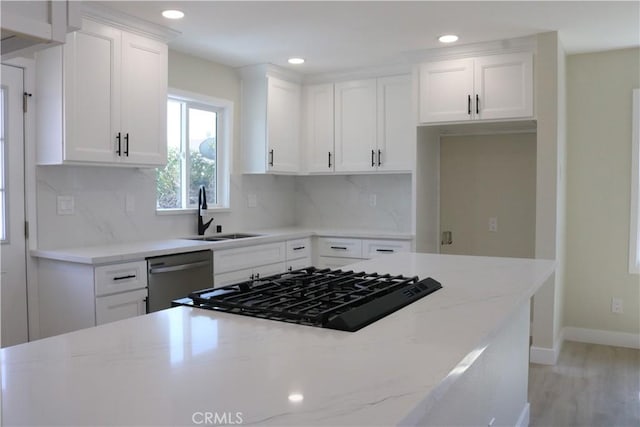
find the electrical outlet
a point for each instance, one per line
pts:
(373, 200)
(493, 224)
(616, 305)
(66, 205)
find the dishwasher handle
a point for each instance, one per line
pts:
(180, 267)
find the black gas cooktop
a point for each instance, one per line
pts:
(335, 299)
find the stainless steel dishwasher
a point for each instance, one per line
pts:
(175, 276)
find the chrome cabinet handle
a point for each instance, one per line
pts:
(271, 157)
(298, 248)
(342, 248)
(126, 145)
(373, 160)
(379, 157)
(385, 250)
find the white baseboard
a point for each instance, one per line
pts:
(523, 419)
(547, 356)
(597, 336)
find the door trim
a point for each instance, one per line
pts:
(28, 65)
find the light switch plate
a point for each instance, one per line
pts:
(252, 200)
(66, 205)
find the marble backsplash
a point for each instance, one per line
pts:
(345, 202)
(101, 216)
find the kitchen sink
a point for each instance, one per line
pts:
(221, 237)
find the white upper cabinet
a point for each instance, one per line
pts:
(483, 88)
(355, 125)
(318, 121)
(283, 125)
(504, 86)
(446, 89)
(144, 99)
(102, 99)
(360, 126)
(270, 121)
(396, 127)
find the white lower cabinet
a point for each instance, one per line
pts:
(298, 254)
(238, 264)
(74, 296)
(376, 248)
(110, 308)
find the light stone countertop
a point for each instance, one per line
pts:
(168, 367)
(136, 251)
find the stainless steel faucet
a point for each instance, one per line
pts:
(202, 204)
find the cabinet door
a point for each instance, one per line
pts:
(319, 128)
(268, 270)
(446, 89)
(121, 306)
(396, 127)
(504, 86)
(92, 93)
(283, 125)
(335, 262)
(297, 264)
(355, 125)
(144, 100)
(247, 257)
(227, 278)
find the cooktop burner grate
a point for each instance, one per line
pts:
(336, 299)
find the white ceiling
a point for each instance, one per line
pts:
(340, 35)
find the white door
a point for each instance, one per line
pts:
(446, 91)
(355, 126)
(144, 100)
(319, 127)
(396, 127)
(504, 86)
(13, 281)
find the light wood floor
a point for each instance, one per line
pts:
(591, 385)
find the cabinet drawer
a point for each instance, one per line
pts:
(111, 279)
(376, 248)
(110, 308)
(336, 247)
(299, 248)
(247, 257)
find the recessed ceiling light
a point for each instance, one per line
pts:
(173, 14)
(296, 397)
(296, 61)
(448, 38)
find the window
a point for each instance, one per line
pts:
(198, 148)
(634, 238)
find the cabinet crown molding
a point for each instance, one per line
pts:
(123, 21)
(520, 44)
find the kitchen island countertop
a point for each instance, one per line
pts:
(183, 365)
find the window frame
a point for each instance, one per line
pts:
(224, 147)
(634, 226)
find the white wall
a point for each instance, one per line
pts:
(598, 196)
